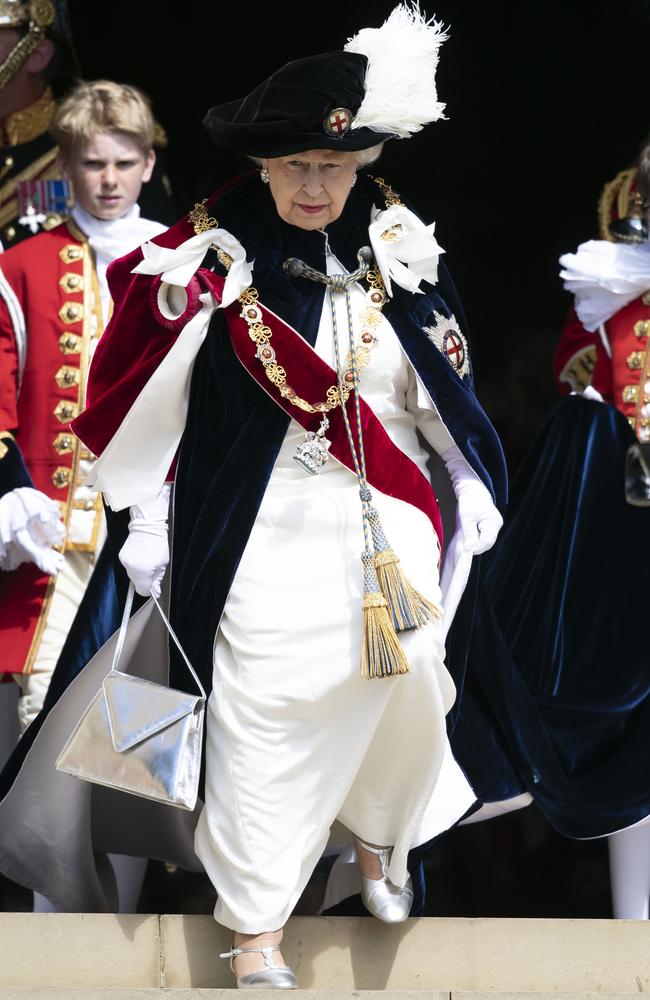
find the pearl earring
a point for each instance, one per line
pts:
(264, 175)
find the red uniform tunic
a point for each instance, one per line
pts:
(622, 375)
(50, 314)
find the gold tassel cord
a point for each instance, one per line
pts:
(396, 605)
(381, 653)
(408, 608)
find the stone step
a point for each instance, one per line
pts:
(149, 993)
(342, 954)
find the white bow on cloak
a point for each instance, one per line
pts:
(133, 467)
(405, 249)
(177, 265)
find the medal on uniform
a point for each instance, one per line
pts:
(43, 204)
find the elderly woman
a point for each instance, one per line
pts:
(302, 305)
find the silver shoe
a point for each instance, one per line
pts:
(380, 897)
(273, 977)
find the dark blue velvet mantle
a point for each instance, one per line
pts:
(560, 658)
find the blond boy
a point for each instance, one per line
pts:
(54, 304)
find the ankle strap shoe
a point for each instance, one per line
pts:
(386, 901)
(272, 977)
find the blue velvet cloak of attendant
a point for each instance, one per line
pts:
(560, 655)
(234, 432)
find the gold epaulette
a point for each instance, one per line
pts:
(619, 189)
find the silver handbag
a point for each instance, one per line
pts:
(138, 736)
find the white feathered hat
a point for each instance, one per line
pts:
(382, 85)
(400, 84)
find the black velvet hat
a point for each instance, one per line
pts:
(381, 86)
(308, 104)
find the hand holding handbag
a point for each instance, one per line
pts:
(138, 736)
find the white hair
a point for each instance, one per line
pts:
(364, 156)
(367, 156)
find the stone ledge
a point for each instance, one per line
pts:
(28, 993)
(475, 957)
(540, 996)
(79, 949)
(470, 955)
(147, 993)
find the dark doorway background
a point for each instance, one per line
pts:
(546, 101)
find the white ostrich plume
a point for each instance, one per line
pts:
(401, 75)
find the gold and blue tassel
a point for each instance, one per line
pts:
(381, 653)
(408, 608)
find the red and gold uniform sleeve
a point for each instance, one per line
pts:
(581, 360)
(9, 357)
(13, 472)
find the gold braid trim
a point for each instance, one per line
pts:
(42, 15)
(30, 122)
(618, 189)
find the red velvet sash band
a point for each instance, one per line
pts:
(389, 470)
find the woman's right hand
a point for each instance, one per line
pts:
(145, 554)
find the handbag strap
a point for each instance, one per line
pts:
(123, 630)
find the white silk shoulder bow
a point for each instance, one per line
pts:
(405, 248)
(134, 465)
(177, 265)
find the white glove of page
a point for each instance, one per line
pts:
(145, 554)
(477, 518)
(30, 525)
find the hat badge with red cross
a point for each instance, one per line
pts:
(446, 334)
(338, 122)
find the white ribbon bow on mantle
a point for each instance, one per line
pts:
(405, 249)
(177, 265)
(133, 466)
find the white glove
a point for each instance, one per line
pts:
(145, 553)
(477, 518)
(30, 525)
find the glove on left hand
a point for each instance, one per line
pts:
(477, 517)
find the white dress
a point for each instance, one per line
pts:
(296, 738)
